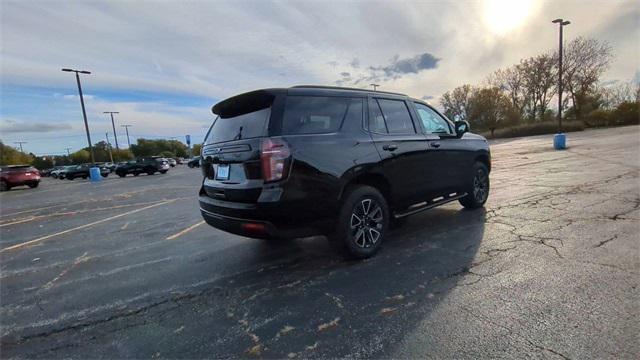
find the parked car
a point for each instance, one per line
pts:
(111, 166)
(83, 171)
(172, 162)
(181, 161)
(18, 175)
(60, 173)
(149, 165)
(46, 172)
(346, 163)
(194, 163)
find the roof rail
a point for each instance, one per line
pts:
(343, 88)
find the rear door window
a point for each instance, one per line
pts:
(390, 117)
(317, 114)
(245, 126)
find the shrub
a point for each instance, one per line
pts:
(541, 128)
(626, 113)
(598, 118)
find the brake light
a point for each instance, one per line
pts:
(275, 159)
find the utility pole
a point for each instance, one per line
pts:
(20, 143)
(375, 86)
(126, 127)
(113, 124)
(84, 113)
(109, 147)
(68, 153)
(561, 23)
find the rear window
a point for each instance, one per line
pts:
(244, 126)
(316, 114)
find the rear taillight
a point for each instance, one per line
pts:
(275, 159)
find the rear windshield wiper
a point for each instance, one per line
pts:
(239, 135)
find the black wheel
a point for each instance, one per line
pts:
(150, 172)
(105, 175)
(163, 172)
(4, 186)
(34, 184)
(55, 176)
(84, 177)
(362, 222)
(122, 175)
(70, 177)
(136, 173)
(478, 190)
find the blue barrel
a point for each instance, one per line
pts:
(560, 141)
(94, 173)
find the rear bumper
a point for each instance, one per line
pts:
(262, 221)
(22, 180)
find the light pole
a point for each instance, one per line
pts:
(113, 124)
(84, 113)
(375, 86)
(126, 127)
(106, 134)
(561, 23)
(20, 143)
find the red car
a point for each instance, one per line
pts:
(18, 175)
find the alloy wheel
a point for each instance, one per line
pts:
(366, 223)
(480, 185)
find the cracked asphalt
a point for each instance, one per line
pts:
(126, 269)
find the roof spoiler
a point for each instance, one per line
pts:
(243, 103)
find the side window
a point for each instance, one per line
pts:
(353, 118)
(433, 123)
(396, 116)
(316, 114)
(376, 120)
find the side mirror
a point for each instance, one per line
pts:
(461, 127)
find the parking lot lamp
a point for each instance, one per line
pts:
(561, 23)
(84, 113)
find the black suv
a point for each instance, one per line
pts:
(148, 165)
(83, 171)
(346, 163)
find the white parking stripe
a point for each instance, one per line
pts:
(40, 239)
(185, 230)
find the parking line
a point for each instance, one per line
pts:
(40, 239)
(185, 230)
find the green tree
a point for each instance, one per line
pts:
(147, 147)
(197, 149)
(11, 156)
(456, 103)
(491, 109)
(80, 157)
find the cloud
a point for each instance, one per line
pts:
(413, 65)
(426, 97)
(14, 126)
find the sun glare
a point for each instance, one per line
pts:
(503, 16)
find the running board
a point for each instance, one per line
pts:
(428, 205)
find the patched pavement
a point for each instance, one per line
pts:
(125, 268)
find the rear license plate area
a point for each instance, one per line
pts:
(222, 173)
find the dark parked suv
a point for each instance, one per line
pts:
(149, 166)
(346, 163)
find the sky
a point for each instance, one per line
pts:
(163, 64)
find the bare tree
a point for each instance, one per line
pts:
(617, 93)
(585, 60)
(456, 103)
(511, 82)
(539, 78)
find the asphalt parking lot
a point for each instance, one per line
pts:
(125, 268)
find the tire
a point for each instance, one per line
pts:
(355, 237)
(84, 177)
(4, 186)
(34, 184)
(70, 177)
(478, 189)
(122, 174)
(105, 175)
(55, 176)
(163, 172)
(136, 173)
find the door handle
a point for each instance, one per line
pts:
(435, 144)
(390, 147)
